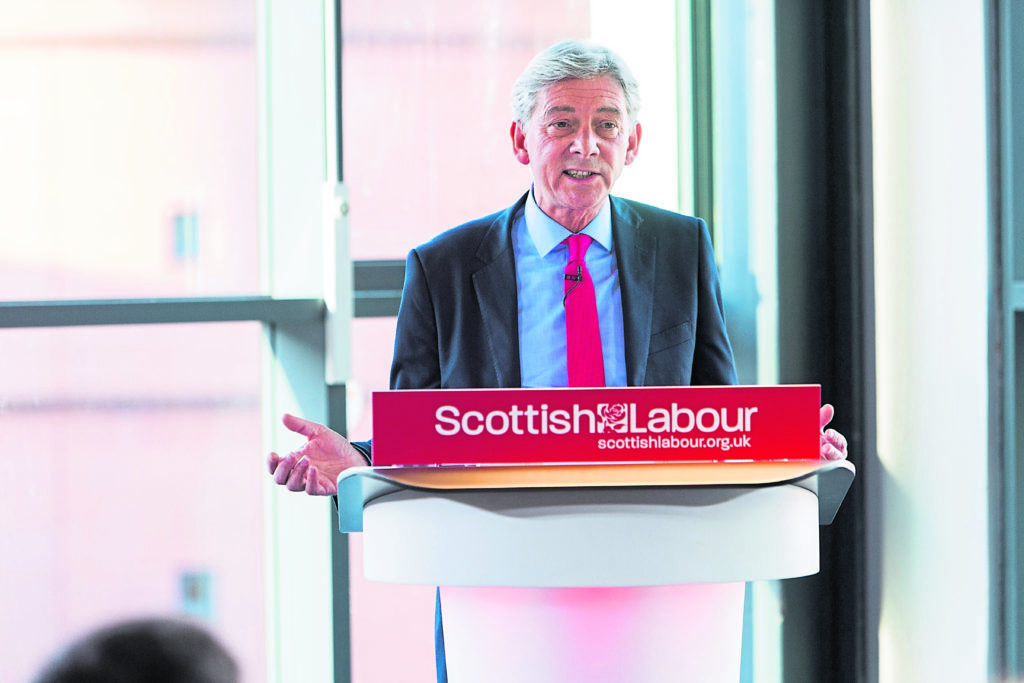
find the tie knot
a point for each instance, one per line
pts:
(578, 245)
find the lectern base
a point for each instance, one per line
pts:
(659, 552)
(647, 634)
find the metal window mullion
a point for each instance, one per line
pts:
(20, 314)
(703, 112)
(1009, 144)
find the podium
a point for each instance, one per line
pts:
(596, 571)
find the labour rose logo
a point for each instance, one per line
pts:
(611, 417)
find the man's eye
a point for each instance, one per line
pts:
(608, 128)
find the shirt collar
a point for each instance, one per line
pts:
(546, 233)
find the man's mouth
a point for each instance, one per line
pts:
(573, 173)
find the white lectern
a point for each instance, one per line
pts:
(592, 572)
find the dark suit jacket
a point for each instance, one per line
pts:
(458, 321)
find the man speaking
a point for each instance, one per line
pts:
(569, 286)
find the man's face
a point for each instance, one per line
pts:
(576, 145)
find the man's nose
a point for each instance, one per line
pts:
(584, 142)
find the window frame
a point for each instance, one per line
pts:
(1005, 38)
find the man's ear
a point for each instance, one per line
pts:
(634, 144)
(519, 143)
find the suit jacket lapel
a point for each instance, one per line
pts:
(635, 249)
(494, 284)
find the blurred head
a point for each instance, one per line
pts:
(144, 651)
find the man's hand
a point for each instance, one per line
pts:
(833, 444)
(314, 468)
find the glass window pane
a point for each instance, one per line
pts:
(134, 488)
(129, 161)
(745, 216)
(426, 111)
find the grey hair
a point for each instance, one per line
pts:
(568, 60)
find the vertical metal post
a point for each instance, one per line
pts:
(338, 296)
(703, 113)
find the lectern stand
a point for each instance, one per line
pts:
(592, 572)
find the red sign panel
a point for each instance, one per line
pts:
(614, 424)
(596, 425)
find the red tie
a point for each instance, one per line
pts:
(582, 333)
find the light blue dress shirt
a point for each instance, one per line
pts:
(540, 266)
